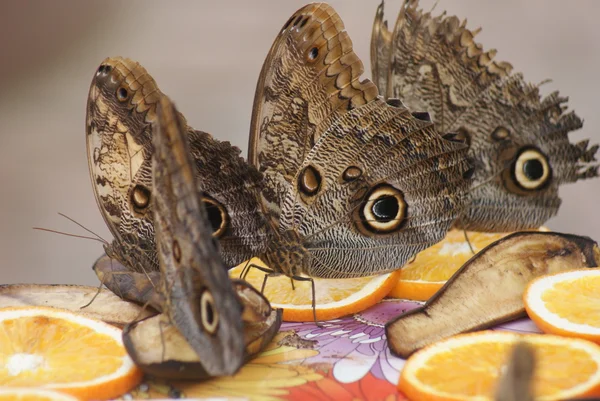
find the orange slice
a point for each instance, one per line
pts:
(566, 303)
(468, 366)
(430, 270)
(33, 394)
(432, 267)
(57, 349)
(334, 297)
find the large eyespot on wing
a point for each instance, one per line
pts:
(382, 212)
(530, 171)
(217, 215)
(209, 312)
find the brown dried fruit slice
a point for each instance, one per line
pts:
(159, 349)
(488, 289)
(106, 307)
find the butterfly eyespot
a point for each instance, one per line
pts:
(122, 94)
(176, 251)
(531, 170)
(140, 197)
(217, 216)
(500, 134)
(208, 312)
(309, 181)
(351, 173)
(313, 54)
(383, 211)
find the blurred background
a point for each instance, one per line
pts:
(207, 57)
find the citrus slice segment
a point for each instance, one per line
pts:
(430, 270)
(57, 349)
(468, 366)
(33, 394)
(333, 297)
(566, 303)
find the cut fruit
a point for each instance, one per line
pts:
(468, 367)
(430, 270)
(160, 350)
(107, 306)
(60, 350)
(334, 297)
(566, 303)
(33, 394)
(488, 289)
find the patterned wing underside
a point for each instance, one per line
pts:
(314, 112)
(192, 272)
(119, 138)
(119, 145)
(436, 66)
(309, 79)
(226, 177)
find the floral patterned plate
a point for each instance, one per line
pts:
(347, 359)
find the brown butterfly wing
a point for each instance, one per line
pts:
(309, 79)
(230, 190)
(363, 184)
(518, 141)
(381, 43)
(200, 298)
(120, 112)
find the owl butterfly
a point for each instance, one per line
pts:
(353, 186)
(121, 109)
(518, 141)
(194, 294)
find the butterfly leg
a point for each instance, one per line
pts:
(245, 270)
(95, 295)
(469, 242)
(162, 324)
(269, 274)
(314, 306)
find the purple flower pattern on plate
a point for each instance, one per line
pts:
(355, 345)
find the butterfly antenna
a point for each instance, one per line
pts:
(82, 226)
(70, 235)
